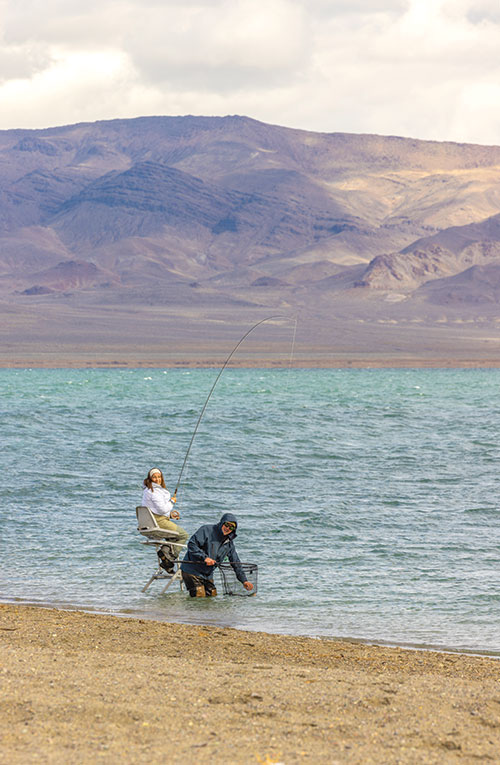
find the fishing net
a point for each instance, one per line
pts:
(231, 585)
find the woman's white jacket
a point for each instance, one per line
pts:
(158, 500)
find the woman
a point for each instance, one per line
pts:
(157, 498)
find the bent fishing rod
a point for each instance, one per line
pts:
(268, 318)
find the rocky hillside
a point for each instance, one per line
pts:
(236, 216)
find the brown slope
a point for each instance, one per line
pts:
(476, 286)
(442, 255)
(222, 227)
(70, 275)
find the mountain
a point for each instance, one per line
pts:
(117, 235)
(444, 254)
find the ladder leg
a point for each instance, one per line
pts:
(177, 575)
(148, 583)
(158, 574)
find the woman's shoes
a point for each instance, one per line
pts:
(166, 562)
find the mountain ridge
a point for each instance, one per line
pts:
(237, 215)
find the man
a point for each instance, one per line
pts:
(208, 547)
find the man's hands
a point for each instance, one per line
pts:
(248, 585)
(210, 561)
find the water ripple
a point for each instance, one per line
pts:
(367, 497)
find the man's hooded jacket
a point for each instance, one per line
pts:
(210, 542)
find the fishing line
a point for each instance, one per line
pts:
(268, 318)
(292, 351)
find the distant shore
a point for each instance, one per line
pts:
(368, 361)
(81, 687)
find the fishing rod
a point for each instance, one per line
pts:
(268, 318)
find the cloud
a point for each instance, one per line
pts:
(224, 46)
(479, 11)
(18, 63)
(424, 68)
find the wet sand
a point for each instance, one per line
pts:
(81, 688)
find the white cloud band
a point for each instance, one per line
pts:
(407, 67)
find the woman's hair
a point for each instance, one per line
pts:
(148, 483)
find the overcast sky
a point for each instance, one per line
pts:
(421, 68)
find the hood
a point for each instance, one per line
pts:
(232, 519)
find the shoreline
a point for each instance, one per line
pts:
(360, 362)
(79, 686)
(438, 649)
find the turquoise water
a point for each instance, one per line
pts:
(368, 498)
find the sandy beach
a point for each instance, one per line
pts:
(80, 687)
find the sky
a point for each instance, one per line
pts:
(425, 69)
